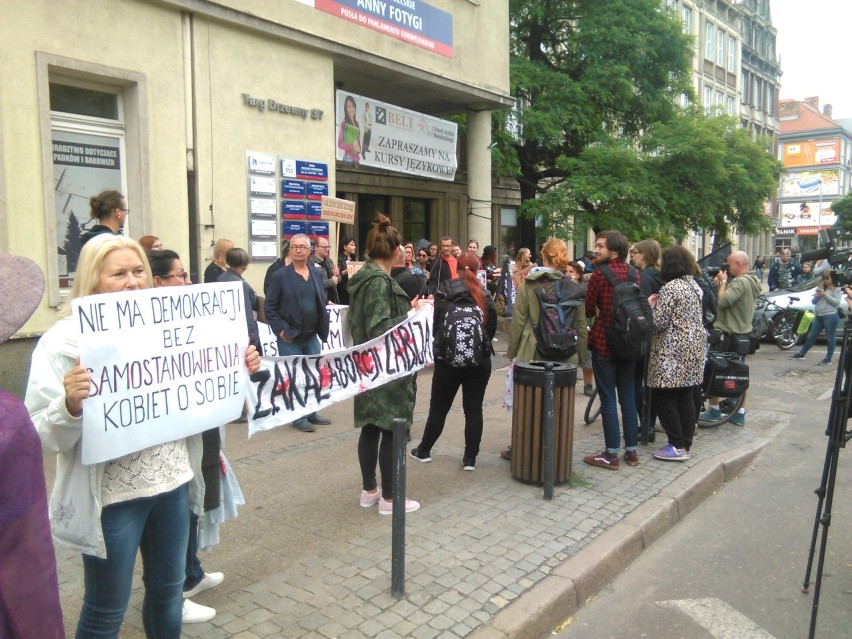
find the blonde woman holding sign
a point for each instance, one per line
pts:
(139, 502)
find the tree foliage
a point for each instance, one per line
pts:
(842, 208)
(602, 143)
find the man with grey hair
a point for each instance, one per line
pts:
(237, 260)
(295, 309)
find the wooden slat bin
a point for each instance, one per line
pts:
(527, 414)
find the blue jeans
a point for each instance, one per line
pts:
(158, 527)
(310, 346)
(615, 378)
(827, 323)
(194, 571)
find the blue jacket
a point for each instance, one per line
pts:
(282, 303)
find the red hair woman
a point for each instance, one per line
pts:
(457, 299)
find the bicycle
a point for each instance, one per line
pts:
(593, 407)
(728, 406)
(593, 411)
(782, 323)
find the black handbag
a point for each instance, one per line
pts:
(725, 377)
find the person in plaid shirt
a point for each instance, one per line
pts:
(614, 377)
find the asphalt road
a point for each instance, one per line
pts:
(735, 566)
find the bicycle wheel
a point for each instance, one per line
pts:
(593, 408)
(728, 407)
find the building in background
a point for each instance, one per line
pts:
(815, 151)
(760, 83)
(214, 119)
(735, 70)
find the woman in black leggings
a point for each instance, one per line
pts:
(464, 291)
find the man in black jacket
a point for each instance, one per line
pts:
(295, 310)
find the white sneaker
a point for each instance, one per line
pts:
(210, 580)
(196, 613)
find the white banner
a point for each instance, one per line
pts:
(287, 388)
(165, 363)
(386, 136)
(339, 335)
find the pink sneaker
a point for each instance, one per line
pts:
(370, 499)
(386, 506)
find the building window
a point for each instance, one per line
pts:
(87, 139)
(709, 43)
(513, 120)
(415, 219)
(367, 207)
(720, 99)
(708, 98)
(671, 4)
(508, 231)
(687, 19)
(720, 48)
(729, 107)
(732, 54)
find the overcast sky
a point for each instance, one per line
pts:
(814, 45)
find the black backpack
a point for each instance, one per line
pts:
(461, 340)
(556, 336)
(629, 335)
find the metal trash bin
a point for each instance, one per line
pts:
(527, 425)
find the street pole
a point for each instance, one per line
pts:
(819, 212)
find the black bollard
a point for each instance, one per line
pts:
(400, 427)
(548, 449)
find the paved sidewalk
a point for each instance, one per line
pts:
(486, 556)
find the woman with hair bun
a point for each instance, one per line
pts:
(109, 208)
(465, 290)
(377, 304)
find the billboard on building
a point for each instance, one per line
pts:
(412, 21)
(810, 183)
(385, 136)
(811, 152)
(798, 214)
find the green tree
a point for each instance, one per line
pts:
(601, 140)
(72, 245)
(842, 208)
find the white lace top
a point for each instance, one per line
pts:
(146, 473)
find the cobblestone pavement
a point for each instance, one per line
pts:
(304, 560)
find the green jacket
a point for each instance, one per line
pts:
(376, 304)
(522, 344)
(735, 309)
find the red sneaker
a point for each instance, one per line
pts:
(602, 460)
(631, 457)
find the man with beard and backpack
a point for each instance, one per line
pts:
(618, 339)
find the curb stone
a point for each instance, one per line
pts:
(567, 589)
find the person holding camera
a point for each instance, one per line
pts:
(736, 292)
(826, 299)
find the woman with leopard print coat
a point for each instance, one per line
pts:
(676, 362)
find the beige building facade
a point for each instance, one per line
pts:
(164, 100)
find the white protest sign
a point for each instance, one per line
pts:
(165, 363)
(339, 335)
(287, 388)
